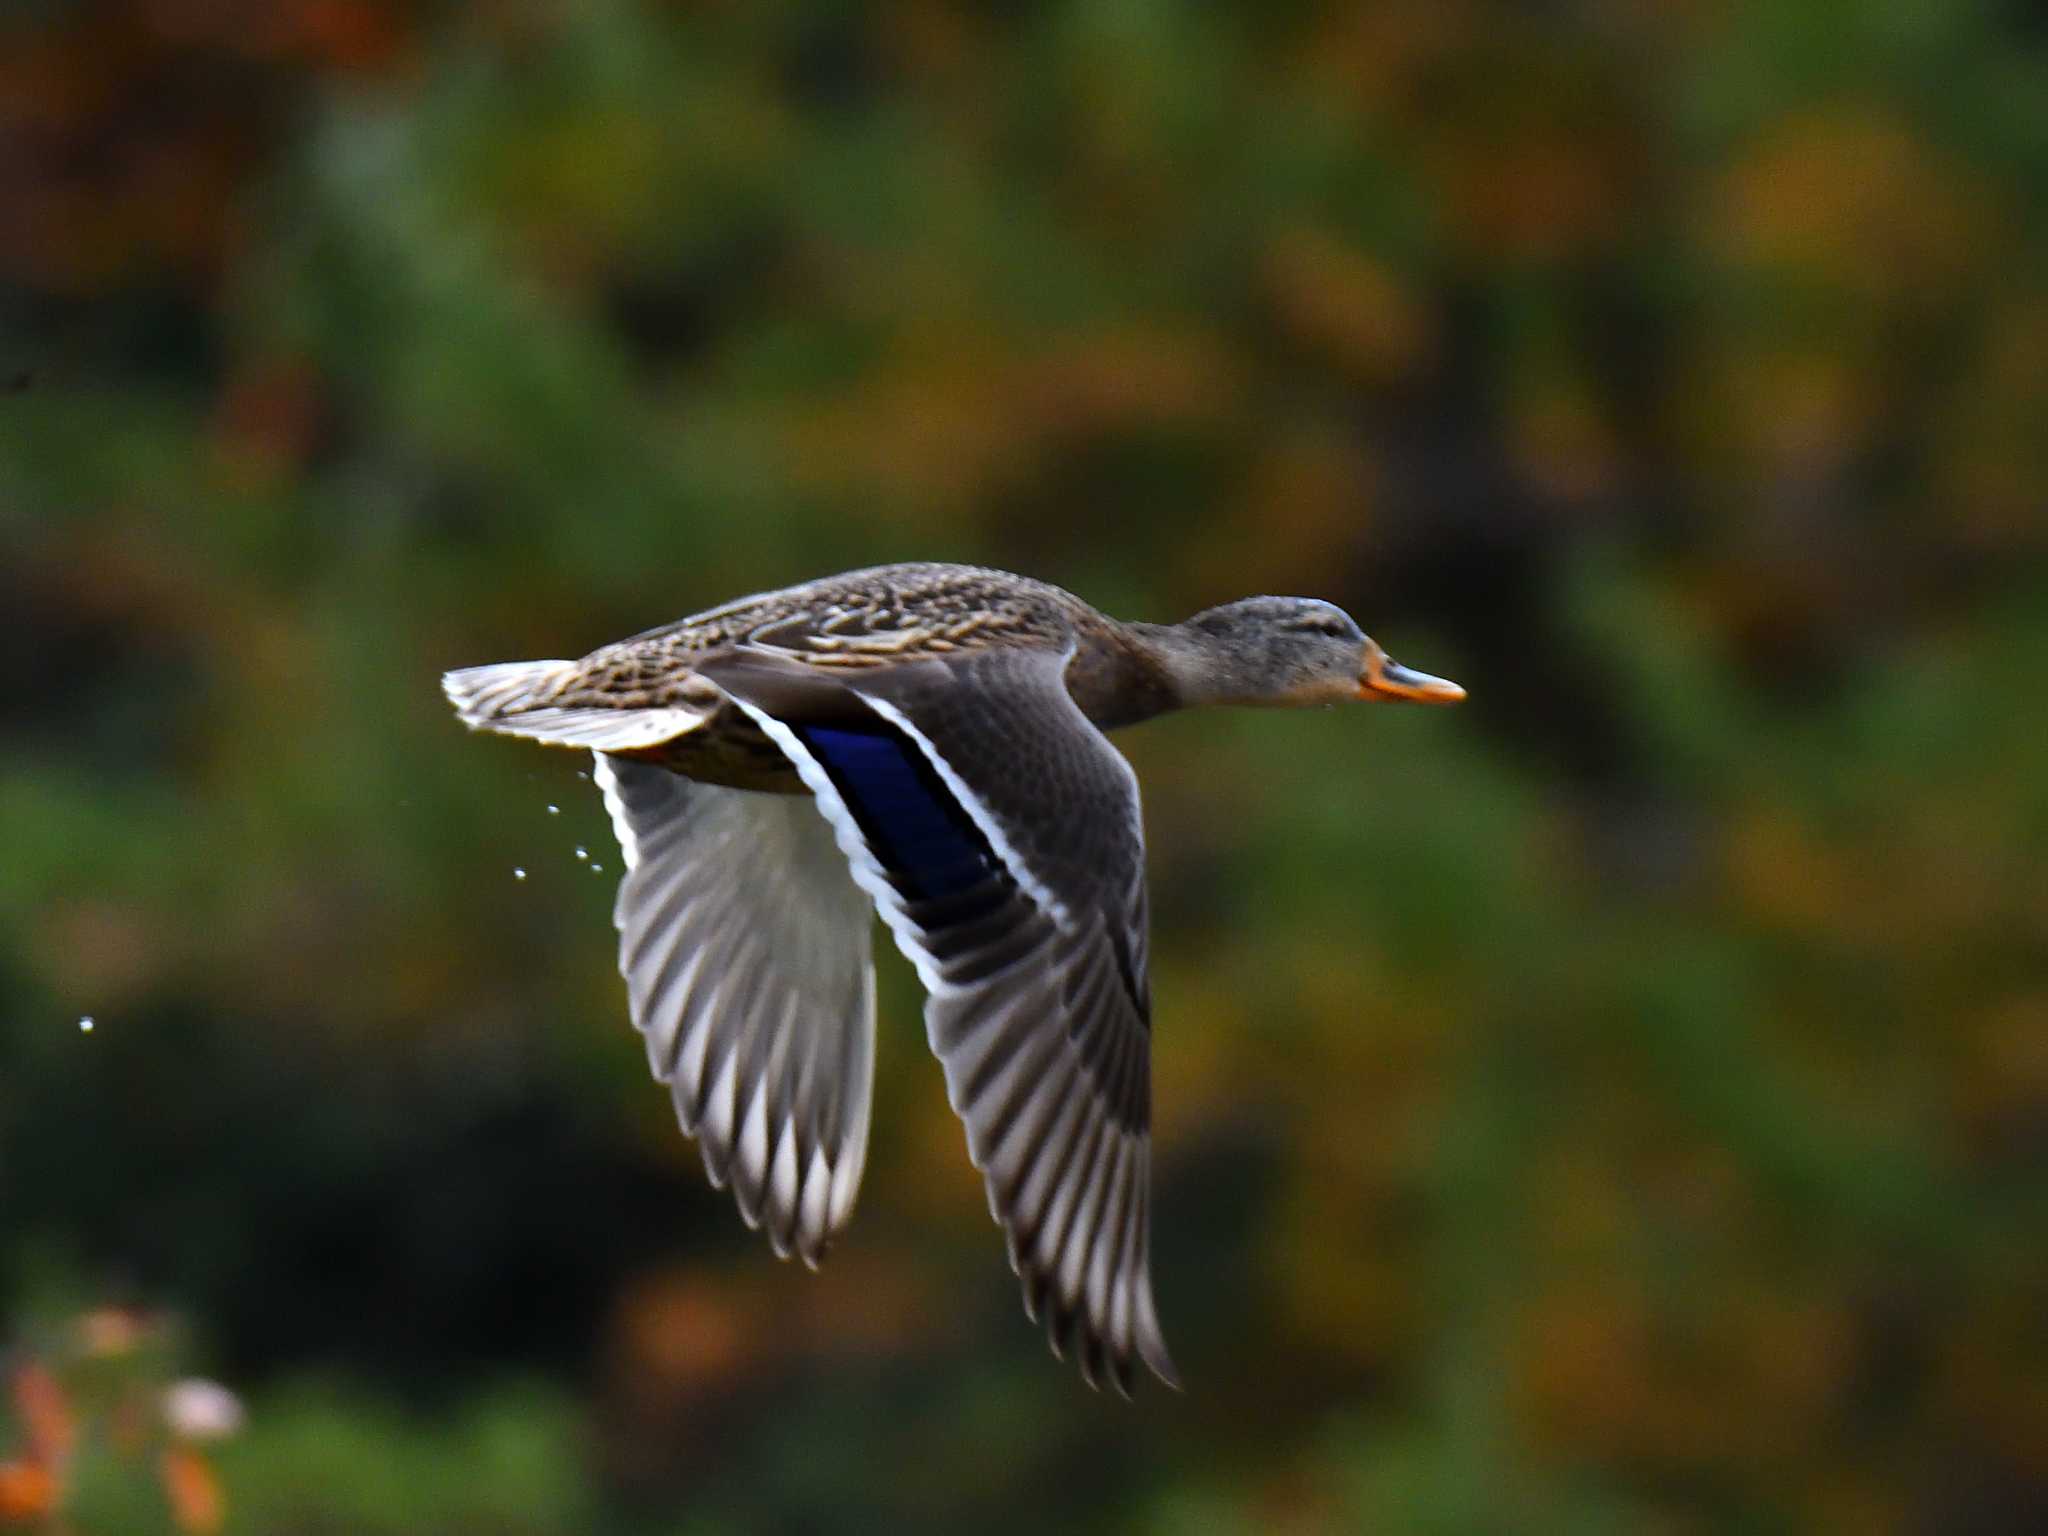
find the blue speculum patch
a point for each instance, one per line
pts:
(915, 828)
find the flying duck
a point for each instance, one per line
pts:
(924, 742)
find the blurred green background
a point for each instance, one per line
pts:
(1619, 1105)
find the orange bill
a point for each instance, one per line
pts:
(1386, 678)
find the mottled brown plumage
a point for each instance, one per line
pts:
(946, 722)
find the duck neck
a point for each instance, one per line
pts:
(1190, 667)
(1119, 674)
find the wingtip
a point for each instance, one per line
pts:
(1162, 1366)
(1152, 1350)
(1100, 1358)
(1124, 1377)
(1152, 1341)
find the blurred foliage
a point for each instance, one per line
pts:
(1620, 1105)
(102, 1435)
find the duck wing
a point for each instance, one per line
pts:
(999, 833)
(745, 948)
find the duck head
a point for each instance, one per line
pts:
(1290, 651)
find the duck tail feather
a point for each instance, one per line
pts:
(482, 696)
(518, 698)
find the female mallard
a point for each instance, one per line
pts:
(947, 721)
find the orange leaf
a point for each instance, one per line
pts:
(197, 1504)
(46, 1413)
(27, 1492)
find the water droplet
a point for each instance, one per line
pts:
(582, 852)
(518, 873)
(583, 774)
(554, 810)
(85, 1022)
(597, 869)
